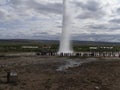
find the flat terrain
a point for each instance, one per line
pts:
(40, 73)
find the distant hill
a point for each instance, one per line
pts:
(96, 43)
(75, 42)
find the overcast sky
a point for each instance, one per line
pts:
(93, 20)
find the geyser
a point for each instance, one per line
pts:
(65, 42)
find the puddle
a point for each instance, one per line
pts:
(74, 63)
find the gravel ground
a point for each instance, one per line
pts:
(41, 73)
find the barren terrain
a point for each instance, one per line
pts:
(43, 73)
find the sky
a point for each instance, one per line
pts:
(92, 20)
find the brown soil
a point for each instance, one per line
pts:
(39, 73)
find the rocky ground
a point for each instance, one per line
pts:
(40, 73)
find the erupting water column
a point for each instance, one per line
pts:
(65, 42)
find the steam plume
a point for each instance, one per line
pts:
(65, 43)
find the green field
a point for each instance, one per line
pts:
(52, 46)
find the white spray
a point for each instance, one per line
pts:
(65, 42)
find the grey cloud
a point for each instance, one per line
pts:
(114, 28)
(59, 26)
(25, 10)
(16, 2)
(49, 7)
(45, 36)
(2, 14)
(118, 10)
(92, 9)
(91, 15)
(40, 33)
(38, 7)
(100, 26)
(115, 21)
(90, 5)
(104, 27)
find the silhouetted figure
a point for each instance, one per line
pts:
(8, 77)
(12, 77)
